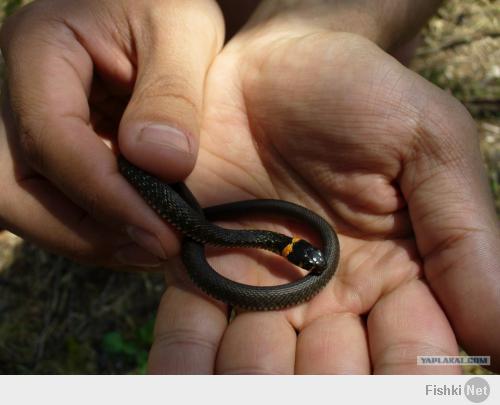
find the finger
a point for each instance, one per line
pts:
(34, 209)
(407, 323)
(333, 344)
(53, 133)
(258, 343)
(160, 128)
(187, 334)
(456, 227)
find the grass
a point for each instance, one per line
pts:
(57, 316)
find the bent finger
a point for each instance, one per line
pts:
(33, 208)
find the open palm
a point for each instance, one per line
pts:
(331, 122)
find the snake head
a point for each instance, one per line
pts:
(303, 254)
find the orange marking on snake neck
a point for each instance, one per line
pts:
(288, 248)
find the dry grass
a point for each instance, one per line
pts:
(61, 317)
(461, 53)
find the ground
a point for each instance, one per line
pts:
(57, 316)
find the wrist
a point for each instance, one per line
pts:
(388, 23)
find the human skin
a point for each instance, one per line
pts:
(331, 121)
(151, 59)
(358, 138)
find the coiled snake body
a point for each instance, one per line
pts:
(179, 207)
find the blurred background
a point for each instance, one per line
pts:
(57, 316)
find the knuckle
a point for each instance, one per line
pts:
(172, 90)
(6, 33)
(446, 131)
(460, 116)
(91, 202)
(88, 242)
(178, 338)
(450, 118)
(75, 251)
(31, 145)
(85, 254)
(198, 10)
(12, 26)
(89, 194)
(37, 23)
(91, 189)
(169, 86)
(17, 25)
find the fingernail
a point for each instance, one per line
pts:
(164, 135)
(147, 241)
(133, 255)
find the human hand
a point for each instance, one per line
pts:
(332, 122)
(79, 72)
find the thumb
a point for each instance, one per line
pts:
(175, 44)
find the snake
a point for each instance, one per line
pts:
(175, 204)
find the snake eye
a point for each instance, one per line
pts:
(306, 256)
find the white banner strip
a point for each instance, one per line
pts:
(249, 390)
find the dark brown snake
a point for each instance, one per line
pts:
(179, 207)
